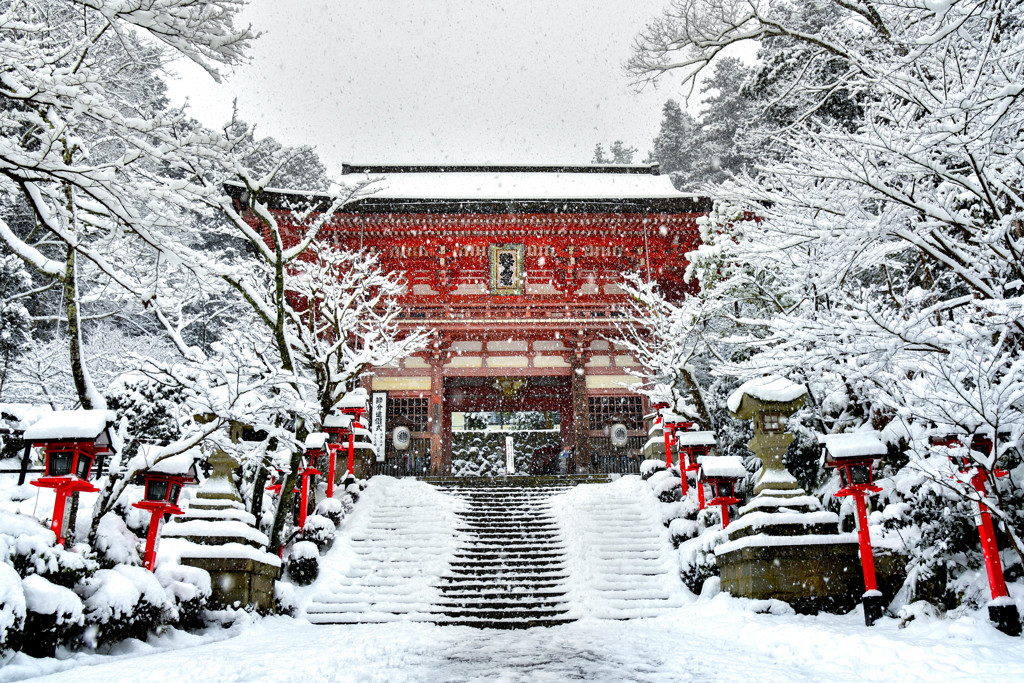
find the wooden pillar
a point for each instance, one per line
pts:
(580, 415)
(440, 457)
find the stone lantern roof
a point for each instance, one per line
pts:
(763, 394)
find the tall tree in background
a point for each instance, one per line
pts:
(672, 146)
(620, 154)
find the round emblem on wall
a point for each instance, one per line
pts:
(619, 435)
(401, 438)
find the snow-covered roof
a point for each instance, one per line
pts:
(70, 424)
(863, 444)
(696, 438)
(511, 185)
(317, 440)
(770, 388)
(357, 398)
(722, 466)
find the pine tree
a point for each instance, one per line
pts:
(672, 145)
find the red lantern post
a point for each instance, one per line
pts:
(163, 483)
(672, 425)
(305, 473)
(853, 456)
(692, 446)
(1002, 611)
(73, 441)
(722, 473)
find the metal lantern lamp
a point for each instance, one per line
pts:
(852, 456)
(73, 441)
(694, 445)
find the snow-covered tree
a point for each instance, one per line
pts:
(884, 268)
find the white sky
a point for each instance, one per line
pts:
(440, 81)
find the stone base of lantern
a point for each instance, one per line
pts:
(239, 582)
(218, 534)
(812, 573)
(784, 546)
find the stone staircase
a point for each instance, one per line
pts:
(493, 553)
(509, 570)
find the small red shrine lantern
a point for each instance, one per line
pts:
(163, 483)
(692, 446)
(722, 473)
(343, 425)
(853, 456)
(305, 473)
(1002, 611)
(72, 441)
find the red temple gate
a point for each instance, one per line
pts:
(517, 271)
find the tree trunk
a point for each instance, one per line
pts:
(259, 485)
(284, 503)
(698, 399)
(79, 373)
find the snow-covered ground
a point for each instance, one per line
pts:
(718, 639)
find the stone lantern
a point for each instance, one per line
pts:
(784, 545)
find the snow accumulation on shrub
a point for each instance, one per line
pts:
(123, 602)
(189, 589)
(331, 508)
(115, 543)
(12, 608)
(31, 548)
(304, 563)
(319, 530)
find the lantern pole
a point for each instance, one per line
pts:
(351, 450)
(332, 456)
(149, 560)
(1002, 612)
(668, 443)
(57, 524)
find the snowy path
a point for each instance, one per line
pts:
(716, 640)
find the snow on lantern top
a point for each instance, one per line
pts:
(318, 440)
(696, 439)
(769, 392)
(74, 425)
(332, 422)
(722, 467)
(180, 465)
(862, 445)
(355, 399)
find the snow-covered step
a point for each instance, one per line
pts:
(617, 551)
(390, 552)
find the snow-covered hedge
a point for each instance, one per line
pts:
(304, 563)
(123, 602)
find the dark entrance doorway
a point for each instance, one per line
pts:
(545, 400)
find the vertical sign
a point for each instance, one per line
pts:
(510, 460)
(378, 426)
